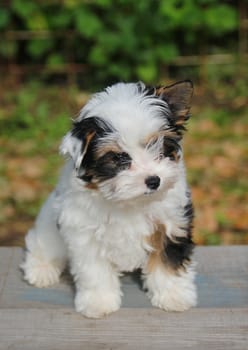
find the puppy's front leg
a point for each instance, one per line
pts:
(169, 273)
(97, 282)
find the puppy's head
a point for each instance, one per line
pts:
(126, 141)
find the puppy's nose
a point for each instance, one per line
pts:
(152, 182)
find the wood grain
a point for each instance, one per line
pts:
(32, 318)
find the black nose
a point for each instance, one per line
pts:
(152, 182)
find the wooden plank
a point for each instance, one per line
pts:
(24, 329)
(6, 259)
(45, 318)
(222, 278)
(222, 281)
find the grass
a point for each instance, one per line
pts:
(34, 117)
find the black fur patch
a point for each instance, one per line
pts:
(106, 166)
(110, 164)
(177, 252)
(189, 214)
(170, 147)
(99, 129)
(91, 124)
(150, 91)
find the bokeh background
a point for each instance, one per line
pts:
(53, 54)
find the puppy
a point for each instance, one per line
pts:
(122, 202)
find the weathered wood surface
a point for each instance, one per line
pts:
(32, 318)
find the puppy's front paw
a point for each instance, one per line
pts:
(173, 299)
(39, 272)
(97, 304)
(172, 292)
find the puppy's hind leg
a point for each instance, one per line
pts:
(45, 256)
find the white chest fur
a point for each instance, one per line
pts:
(123, 240)
(118, 233)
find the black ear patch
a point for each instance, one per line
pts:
(178, 97)
(99, 160)
(90, 125)
(88, 131)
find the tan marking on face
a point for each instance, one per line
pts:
(163, 133)
(176, 156)
(92, 186)
(107, 147)
(156, 135)
(88, 138)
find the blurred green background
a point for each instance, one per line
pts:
(53, 54)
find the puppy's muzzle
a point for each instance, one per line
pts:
(152, 182)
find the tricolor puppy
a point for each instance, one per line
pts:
(122, 202)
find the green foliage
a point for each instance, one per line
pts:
(116, 39)
(4, 18)
(34, 116)
(211, 238)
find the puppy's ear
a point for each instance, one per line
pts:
(76, 148)
(76, 142)
(178, 96)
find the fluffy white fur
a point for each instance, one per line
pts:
(105, 232)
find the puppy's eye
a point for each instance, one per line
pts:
(110, 164)
(122, 157)
(121, 160)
